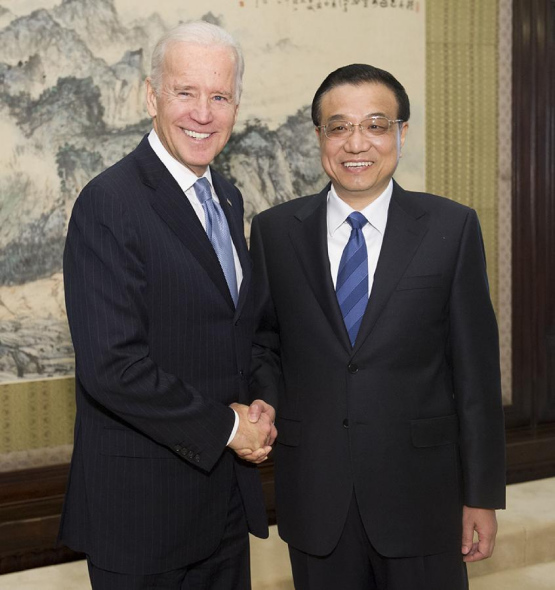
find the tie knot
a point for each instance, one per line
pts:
(357, 220)
(202, 190)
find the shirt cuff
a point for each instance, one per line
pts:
(235, 428)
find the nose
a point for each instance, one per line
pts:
(357, 141)
(202, 111)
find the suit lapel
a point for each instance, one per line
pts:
(309, 239)
(169, 202)
(406, 226)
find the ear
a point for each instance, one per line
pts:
(236, 114)
(151, 99)
(404, 130)
(318, 133)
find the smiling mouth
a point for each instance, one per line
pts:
(357, 164)
(196, 134)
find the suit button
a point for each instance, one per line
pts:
(345, 423)
(190, 454)
(241, 372)
(352, 368)
(197, 458)
(177, 448)
(183, 452)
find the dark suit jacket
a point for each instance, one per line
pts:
(411, 416)
(161, 352)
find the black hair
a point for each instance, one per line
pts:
(357, 74)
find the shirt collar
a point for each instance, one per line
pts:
(375, 212)
(185, 178)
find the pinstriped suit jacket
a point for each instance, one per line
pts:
(161, 352)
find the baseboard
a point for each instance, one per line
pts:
(530, 454)
(30, 507)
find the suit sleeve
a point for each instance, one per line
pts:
(106, 290)
(474, 352)
(265, 374)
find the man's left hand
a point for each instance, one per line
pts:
(484, 522)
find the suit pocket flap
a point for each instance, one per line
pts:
(432, 432)
(419, 282)
(126, 443)
(289, 432)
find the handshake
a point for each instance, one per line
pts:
(256, 432)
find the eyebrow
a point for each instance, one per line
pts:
(178, 87)
(341, 117)
(223, 93)
(182, 87)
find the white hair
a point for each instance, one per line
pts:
(196, 33)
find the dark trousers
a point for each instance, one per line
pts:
(355, 565)
(228, 568)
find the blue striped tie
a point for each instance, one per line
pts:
(218, 233)
(352, 277)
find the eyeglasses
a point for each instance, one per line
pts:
(372, 127)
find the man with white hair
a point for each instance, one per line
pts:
(163, 488)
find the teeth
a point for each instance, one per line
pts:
(196, 135)
(357, 164)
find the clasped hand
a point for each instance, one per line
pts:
(256, 432)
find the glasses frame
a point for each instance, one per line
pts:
(351, 127)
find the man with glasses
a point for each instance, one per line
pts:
(378, 344)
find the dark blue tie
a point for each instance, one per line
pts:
(352, 278)
(218, 233)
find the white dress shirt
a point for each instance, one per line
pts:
(339, 230)
(186, 178)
